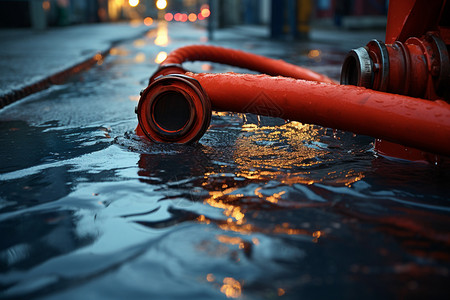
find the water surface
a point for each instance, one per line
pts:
(261, 208)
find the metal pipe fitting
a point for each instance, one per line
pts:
(419, 67)
(358, 68)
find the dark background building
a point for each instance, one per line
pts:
(286, 17)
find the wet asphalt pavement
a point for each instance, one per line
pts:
(261, 208)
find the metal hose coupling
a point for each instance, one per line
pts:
(174, 108)
(418, 67)
(358, 68)
(167, 69)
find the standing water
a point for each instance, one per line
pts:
(261, 208)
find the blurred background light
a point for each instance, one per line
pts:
(161, 4)
(148, 21)
(160, 57)
(168, 17)
(46, 5)
(192, 17)
(133, 3)
(205, 12)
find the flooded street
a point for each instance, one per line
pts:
(260, 208)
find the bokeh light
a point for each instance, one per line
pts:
(205, 12)
(133, 3)
(162, 35)
(231, 288)
(148, 21)
(46, 5)
(160, 57)
(168, 17)
(314, 53)
(161, 4)
(192, 17)
(140, 57)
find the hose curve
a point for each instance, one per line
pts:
(242, 59)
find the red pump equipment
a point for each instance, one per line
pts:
(414, 61)
(176, 106)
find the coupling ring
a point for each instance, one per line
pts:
(174, 109)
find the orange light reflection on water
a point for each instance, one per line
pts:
(118, 51)
(263, 154)
(272, 151)
(231, 287)
(272, 198)
(230, 210)
(162, 34)
(139, 43)
(232, 240)
(237, 222)
(277, 147)
(98, 58)
(140, 57)
(314, 53)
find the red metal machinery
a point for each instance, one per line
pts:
(414, 62)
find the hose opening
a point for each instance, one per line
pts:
(350, 72)
(357, 68)
(171, 111)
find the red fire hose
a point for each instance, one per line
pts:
(236, 58)
(177, 108)
(409, 121)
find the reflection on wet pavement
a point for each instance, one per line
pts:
(260, 208)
